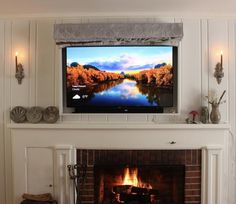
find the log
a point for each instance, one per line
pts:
(135, 197)
(154, 192)
(139, 190)
(39, 197)
(122, 189)
(129, 189)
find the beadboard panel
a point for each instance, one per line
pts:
(204, 62)
(2, 163)
(20, 44)
(218, 41)
(44, 178)
(32, 62)
(190, 67)
(45, 63)
(231, 110)
(8, 58)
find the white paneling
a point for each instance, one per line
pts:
(231, 142)
(7, 106)
(204, 62)
(39, 164)
(203, 40)
(45, 63)
(218, 40)
(121, 118)
(32, 63)
(137, 117)
(101, 118)
(72, 20)
(2, 170)
(57, 74)
(190, 66)
(20, 44)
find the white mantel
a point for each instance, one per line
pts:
(86, 125)
(63, 139)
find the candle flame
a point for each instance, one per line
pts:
(221, 52)
(16, 54)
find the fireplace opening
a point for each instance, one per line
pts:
(147, 184)
(139, 176)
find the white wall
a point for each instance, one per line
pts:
(33, 39)
(2, 173)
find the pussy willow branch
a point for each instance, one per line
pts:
(221, 97)
(214, 101)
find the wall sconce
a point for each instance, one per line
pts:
(219, 74)
(19, 75)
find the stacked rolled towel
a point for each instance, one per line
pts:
(45, 198)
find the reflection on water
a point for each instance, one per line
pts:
(124, 92)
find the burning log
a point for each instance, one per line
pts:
(129, 189)
(135, 197)
(122, 189)
(154, 192)
(131, 194)
(139, 190)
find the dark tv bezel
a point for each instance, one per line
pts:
(120, 109)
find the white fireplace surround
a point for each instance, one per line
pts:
(64, 139)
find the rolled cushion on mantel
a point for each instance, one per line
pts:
(118, 34)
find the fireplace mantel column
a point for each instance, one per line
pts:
(64, 189)
(211, 175)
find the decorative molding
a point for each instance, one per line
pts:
(64, 189)
(212, 175)
(108, 126)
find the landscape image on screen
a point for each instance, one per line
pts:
(119, 76)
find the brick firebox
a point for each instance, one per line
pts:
(191, 159)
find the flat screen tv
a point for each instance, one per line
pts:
(119, 79)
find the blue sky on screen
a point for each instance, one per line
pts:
(127, 58)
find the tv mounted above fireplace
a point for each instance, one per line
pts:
(119, 79)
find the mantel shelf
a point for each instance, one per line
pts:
(160, 126)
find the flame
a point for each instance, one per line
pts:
(131, 178)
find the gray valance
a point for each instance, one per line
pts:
(119, 33)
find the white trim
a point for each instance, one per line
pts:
(123, 15)
(211, 175)
(63, 186)
(119, 126)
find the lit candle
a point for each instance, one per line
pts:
(16, 60)
(221, 58)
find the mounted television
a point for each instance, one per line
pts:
(119, 79)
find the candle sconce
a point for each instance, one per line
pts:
(19, 75)
(219, 74)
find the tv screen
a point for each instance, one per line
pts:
(116, 79)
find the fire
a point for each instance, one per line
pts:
(131, 178)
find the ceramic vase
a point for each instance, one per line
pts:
(215, 113)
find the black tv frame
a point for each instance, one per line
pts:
(120, 109)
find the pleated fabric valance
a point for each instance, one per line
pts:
(118, 34)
